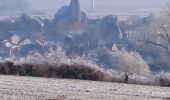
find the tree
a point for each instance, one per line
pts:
(158, 33)
(153, 40)
(57, 57)
(131, 64)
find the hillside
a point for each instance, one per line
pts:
(29, 88)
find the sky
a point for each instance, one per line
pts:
(102, 7)
(86, 4)
(119, 7)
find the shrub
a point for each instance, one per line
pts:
(8, 68)
(57, 57)
(133, 69)
(164, 79)
(35, 58)
(142, 80)
(83, 71)
(74, 71)
(77, 72)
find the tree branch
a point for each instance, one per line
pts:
(153, 43)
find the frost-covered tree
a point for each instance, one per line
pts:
(57, 57)
(131, 64)
(157, 32)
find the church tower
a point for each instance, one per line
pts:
(75, 11)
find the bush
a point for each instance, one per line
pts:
(57, 57)
(8, 68)
(133, 68)
(142, 80)
(77, 72)
(83, 70)
(164, 79)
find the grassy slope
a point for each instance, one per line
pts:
(15, 87)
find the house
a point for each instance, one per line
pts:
(72, 29)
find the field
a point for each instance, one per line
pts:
(31, 88)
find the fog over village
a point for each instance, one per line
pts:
(114, 41)
(117, 7)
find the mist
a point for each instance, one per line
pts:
(100, 5)
(122, 41)
(116, 7)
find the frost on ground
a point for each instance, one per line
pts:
(30, 88)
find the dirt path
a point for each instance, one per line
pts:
(29, 88)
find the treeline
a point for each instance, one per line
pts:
(133, 70)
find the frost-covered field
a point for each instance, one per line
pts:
(30, 88)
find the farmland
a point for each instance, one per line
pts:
(30, 88)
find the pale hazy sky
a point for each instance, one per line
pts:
(52, 5)
(118, 7)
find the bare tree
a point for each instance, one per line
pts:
(158, 32)
(163, 39)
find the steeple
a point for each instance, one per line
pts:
(75, 11)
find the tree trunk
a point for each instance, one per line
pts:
(126, 78)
